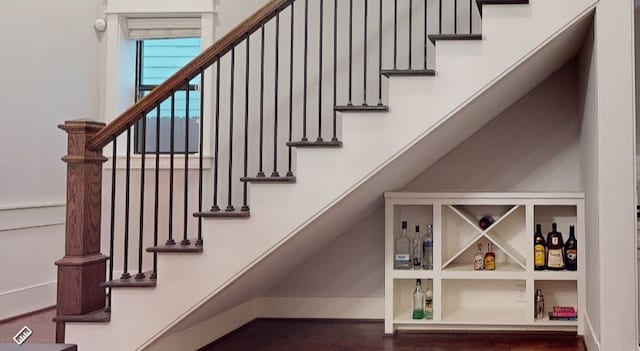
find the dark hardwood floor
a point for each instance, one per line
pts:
(316, 335)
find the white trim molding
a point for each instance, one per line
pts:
(590, 337)
(27, 299)
(321, 307)
(31, 216)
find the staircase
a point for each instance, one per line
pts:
(239, 253)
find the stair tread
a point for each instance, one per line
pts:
(408, 72)
(285, 179)
(132, 282)
(481, 3)
(178, 248)
(223, 214)
(315, 143)
(98, 316)
(362, 108)
(435, 37)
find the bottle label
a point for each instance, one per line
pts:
(403, 258)
(538, 255)
(572, 254)
(555, 259)
(478, 263)
(490, 263)
(554, 240)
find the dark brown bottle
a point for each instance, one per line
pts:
(555, 249)
(571, 251)
(539, 250)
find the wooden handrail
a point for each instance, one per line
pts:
(208, 57)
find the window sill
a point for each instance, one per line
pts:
(150, 162)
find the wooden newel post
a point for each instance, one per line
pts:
(83, 267)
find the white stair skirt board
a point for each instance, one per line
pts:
(476, 80)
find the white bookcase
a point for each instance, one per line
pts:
(486, 300)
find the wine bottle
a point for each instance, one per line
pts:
(555, 249)
(428, 300)
(485, 222)
(478, 259)
(427, 248)
(539, 250)
(571, 251)
(417, 249)
(402, 258)
(418, 301)
(490, 259)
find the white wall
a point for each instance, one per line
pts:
(534, 145)
(50, 68)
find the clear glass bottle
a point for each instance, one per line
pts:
(478, 259)
(427, 248)
(417, 249)
(402, 252)
(418, 301)
(428, 300)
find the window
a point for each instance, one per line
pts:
(157, 60)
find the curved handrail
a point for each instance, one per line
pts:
(205, 59)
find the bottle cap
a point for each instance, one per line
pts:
(417, 227)
(404, 225)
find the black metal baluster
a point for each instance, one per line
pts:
(350, 103)
(395, 34)
(156, 199)
(319, 139)
(470, 16)
(215, 206)
(334, 136)
(455, 16)
(275, 173)
(410, 30)
(201, 159)
(230, 207)
(380, 57)
(364, 91)
(113, 219)
(440, 17)
(185, 224)
(245, 206)
(125, 271)
(306, 65)
(426, 32)
(260, 151)
(289, 170)
(143, 158)
(170, 240)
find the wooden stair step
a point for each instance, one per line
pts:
(408, 72)
(481, 3)
(98, 316)
(435, 37)
(132, 282)
(193, 247)
(223, 214)
(362, 108)
(264, 179)
(315, 143)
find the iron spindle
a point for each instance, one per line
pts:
(470, 16)
(172, 141)
(290, 162)
(410, 30)
(245, 206)
(143, 158)
(426, 32)
(230, 207)
(125, 272)
(200, 158)
(260, 151)
(306, 64)
(440, 17)
(334, 136)
(455, 16)
(395, 34)
(364, 91)
(185, 225)
(319, 139)
(215, 206)
(112, 225)
(275, 102)
(350, 103)
(380, 56)
(156, 197)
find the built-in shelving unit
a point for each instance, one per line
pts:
(464, 298)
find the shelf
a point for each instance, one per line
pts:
(545, 321)
(555, 275)
(486, 316)
(413, 274)
(464, 260)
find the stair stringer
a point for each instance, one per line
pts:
(428, 117)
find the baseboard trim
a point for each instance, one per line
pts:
(31, 216)
(590, 338)
(321, 307)
(19, 302)
(27, 314)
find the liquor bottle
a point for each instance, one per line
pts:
(417, 249)
(485, 222)
(555, 249)
(571, 251)
(427, 248)
(539, 250)
(478, 259)
(428, 300)
(402, 257)
(490, 259)
(418, 301)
